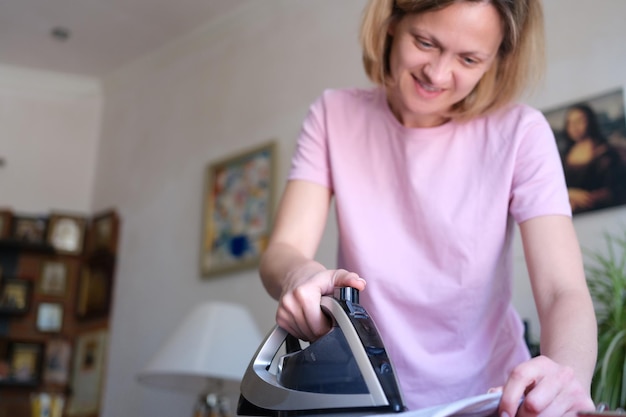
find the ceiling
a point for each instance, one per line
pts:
(104, 34)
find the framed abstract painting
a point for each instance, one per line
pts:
(238, 201)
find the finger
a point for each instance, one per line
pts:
(286, 320)
(343, 278)
(291, 317)
(297, 327)
(543, 397)
(312, 321)
(522, 379)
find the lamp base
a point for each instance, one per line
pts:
(212, 405)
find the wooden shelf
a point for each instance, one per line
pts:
(22, 246)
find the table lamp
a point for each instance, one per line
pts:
(210, 348)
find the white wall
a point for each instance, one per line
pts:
(49, 131)
(586, 49)
(222, 89)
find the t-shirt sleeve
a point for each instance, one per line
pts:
(310, 161)
(539, 186)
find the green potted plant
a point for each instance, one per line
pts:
(606, 277)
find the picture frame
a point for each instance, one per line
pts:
(29, 229)
(595, 175)
(66, 233)
(56, 365)
(14, 296)
(94, 290)
(238, 203)
(6, 220)
(104, 231)
(49, 317)
(87, 372)
(24, 361)
(53, 278)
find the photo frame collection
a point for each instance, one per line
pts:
(95, 240)
(64, 292)
(26, 363)
(238, 200)
(64, 232)
(59, 363)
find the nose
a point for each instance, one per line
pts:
(438, 70)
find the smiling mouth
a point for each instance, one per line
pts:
(427, 86)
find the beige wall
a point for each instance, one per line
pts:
(218, 91)
(49, 132)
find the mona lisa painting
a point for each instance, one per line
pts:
(591, 137)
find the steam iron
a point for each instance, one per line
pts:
(346, 372)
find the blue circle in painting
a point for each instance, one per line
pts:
(239, 245)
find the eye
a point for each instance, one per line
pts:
(469, 61)
(424, 43)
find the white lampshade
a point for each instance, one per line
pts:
(213, 344)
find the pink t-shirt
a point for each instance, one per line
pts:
(427, 216)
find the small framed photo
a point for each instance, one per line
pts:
(66, 233)
(25, 363)
(94, 292)
(103, 231)
(56, 365)
(14, 296)
(53, 278)
(87, 372)
(49, 317)
(238, 201)
(29, 229)
(6, 218)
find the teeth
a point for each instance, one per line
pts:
(428, 87)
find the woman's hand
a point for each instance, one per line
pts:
(547, 388)
(299, 311)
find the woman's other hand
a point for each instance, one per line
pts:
(547, 389)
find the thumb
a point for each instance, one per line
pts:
(343, 278)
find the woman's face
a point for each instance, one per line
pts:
(576, 124)
(437, 58)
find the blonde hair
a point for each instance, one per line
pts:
(520, 62)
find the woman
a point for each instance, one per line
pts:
(429, 171)
(594, 171)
